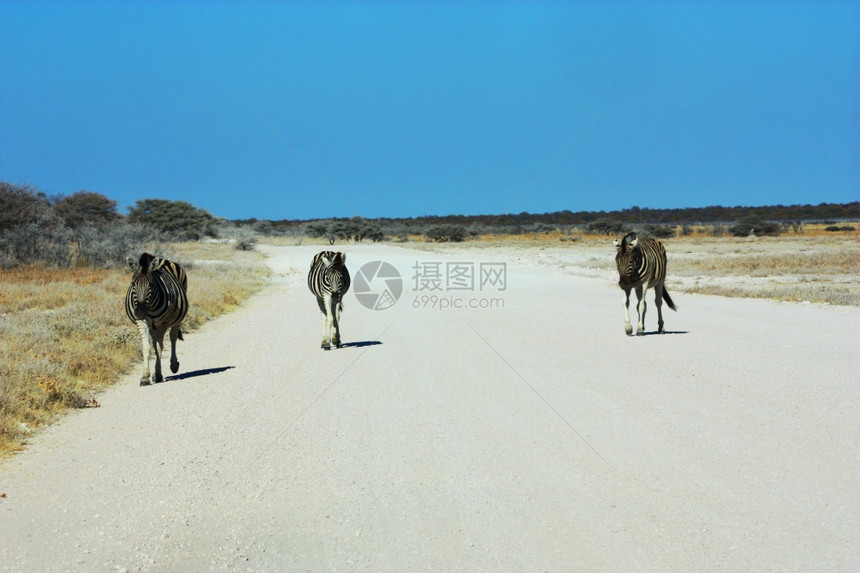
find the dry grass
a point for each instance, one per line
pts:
(815, 265)
(64, 334)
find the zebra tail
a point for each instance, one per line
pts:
(180, 332)
(668, 299)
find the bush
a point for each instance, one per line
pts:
(86, 208)
(107, 247)
(35, 242)
(837, 228)
(60, 246)
(22, 205)
(659, 231)
(446, 233)
(177, 219)
(607, 227)
(245, 238)
(754, 226)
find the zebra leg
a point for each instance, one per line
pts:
(640, 296)
(158, 345)
(145, 343)
(658, 293)
(175, 333)
(327, 320)
(627, 327)
(337, 308)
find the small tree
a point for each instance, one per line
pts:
(178, 219)
(21, 205)
(86, 208)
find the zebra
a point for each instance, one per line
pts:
(642, 265)
(328, 280)
(157, 302)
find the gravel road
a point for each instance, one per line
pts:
(531, 437)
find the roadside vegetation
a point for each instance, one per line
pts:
(64, 335)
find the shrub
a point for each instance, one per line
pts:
(34, 242)
(837, 228)
(754, 226)
(607, 227)
(86, 208)
(659, 231)
(177, 219)
(22, 205)
(244, 238)
(446, 233)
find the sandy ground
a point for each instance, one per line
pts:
(533, 435)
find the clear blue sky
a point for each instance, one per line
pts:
(433, 108)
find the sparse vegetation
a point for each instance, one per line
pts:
(64, 334)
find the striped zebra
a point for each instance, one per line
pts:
(157, 302)
(328, 280)
(642, 265)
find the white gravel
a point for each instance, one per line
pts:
(531, 437)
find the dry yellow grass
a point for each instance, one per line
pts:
(815, 265)
(64, 334)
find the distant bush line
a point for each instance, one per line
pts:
(657, 222)
(85, 229)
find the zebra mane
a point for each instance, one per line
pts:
(144, 261)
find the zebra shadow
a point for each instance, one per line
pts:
(657, 332)
(360, 344)
(196, 373)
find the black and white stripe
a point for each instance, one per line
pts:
(641, 265)
(157, 302)
(328, 280)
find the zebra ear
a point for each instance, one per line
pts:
(326, 261)
(616, 243)
(340, 258)
(634, 242)
(132, 264)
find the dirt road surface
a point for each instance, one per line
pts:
(531, 437)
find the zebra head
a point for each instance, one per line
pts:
(334, 265)
(141, 279)
(626, 256)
